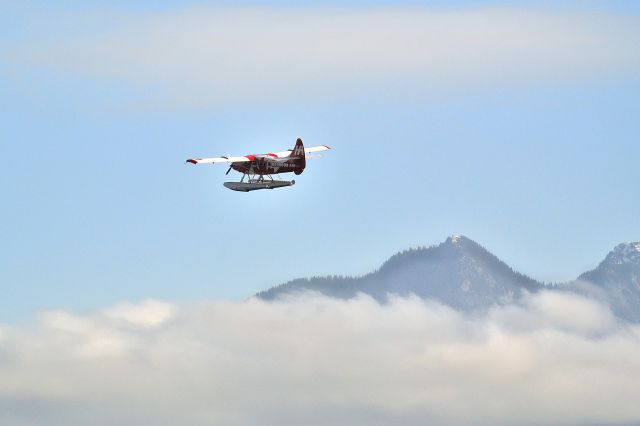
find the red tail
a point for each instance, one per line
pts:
(298, 154)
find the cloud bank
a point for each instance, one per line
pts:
(213, 55)
(554, 358)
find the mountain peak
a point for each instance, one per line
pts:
(619, 276)
(463, 246)
(458, 240)
(624, 253)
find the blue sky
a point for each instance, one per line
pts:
(526, 141)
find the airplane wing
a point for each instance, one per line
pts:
(307, 150)
(214, 160)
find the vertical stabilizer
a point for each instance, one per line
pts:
(297, 154)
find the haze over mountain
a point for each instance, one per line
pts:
(461, 273)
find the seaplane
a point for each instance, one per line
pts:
(258, 169)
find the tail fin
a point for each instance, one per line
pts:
(298, 154)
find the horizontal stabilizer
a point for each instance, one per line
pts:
(307, 150)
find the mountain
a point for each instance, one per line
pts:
(462, 274)
(458, 272)
(618, 279)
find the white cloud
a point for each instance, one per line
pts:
(209, 55)
(552, 359)
(150, 313)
